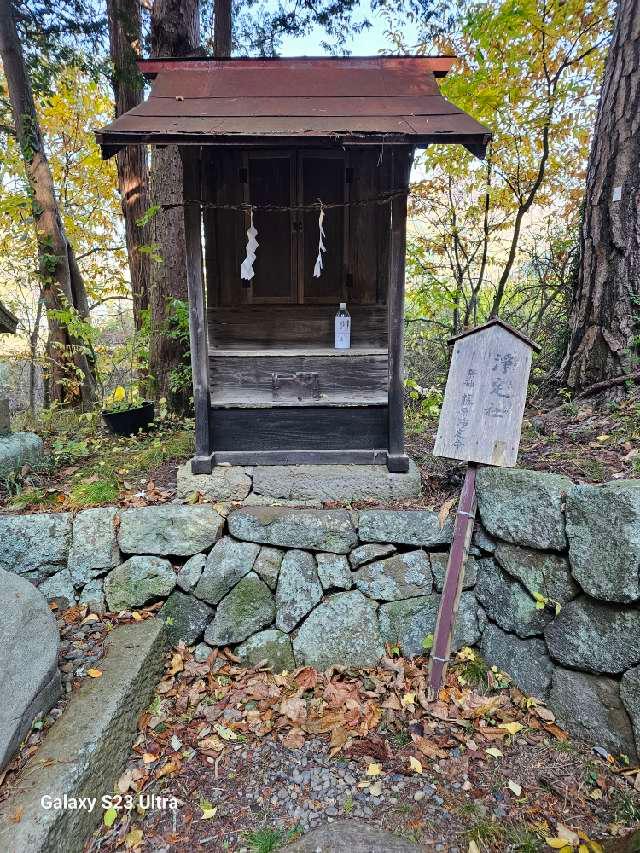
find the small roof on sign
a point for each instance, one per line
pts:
(8, 321)
(496, 321)
(307, 100)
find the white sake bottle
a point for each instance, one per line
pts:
(343, 327)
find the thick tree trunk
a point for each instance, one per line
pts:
(62, 286)
(175, 31)
(222, 29)
(605, 314)
(133, 170)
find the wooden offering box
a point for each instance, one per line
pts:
(279, 137)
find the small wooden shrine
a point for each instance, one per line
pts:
(274, 143)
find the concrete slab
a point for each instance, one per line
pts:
(335, 482)
(86, 749)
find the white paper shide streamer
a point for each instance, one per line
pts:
(246, 269)
(317, 270)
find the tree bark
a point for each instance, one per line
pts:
(62, 287)
(175, 31)
(133, 170)
(605, 312)
(222, 29)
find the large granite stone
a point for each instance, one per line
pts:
(299, 589)
(92, 596)
(315, 530)
(29, 641)
(526, 661)
(94, 546)
(589, 707)
(407, 623)
(368, 553)
(523, 507)
(185, 618)
(191, 572)
(138, 581)
(595, 637)
(228, 562)
(603, 527)
(508, 603)
(336, 482)
(354, 836)
(439, 569)
(267, 565)
(539, 572)
(334, 571)
(342, 630)
(401, 576)
(35, 545)
(630, 695)
(271, 646)
(169, 529)
(18, 449)
(413, 527)
(248, 608)
(59, 588)
(224, 483)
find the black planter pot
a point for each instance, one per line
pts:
(130, 421)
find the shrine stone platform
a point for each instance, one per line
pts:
(308, 485)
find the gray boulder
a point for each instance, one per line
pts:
(595, 637)
(18, 449)
(191, 572)
(336, 482)
(408, 623)
(315, 530)
(92, 596)
(224, 483)
(271, 646)
(228, 563)
(299, 589)
(368, 553)
(354, 836)
(416, 527)
(35, 545)
(334, 571)
(59, 588)
(267, 565)
(342, 630)
(94, 546)
(248, 608)
(439, 569)
(526, 661)
(508, 603)
(482, 540)
(538, 571)
(630, 695)
(603, 527)
(401, 576)
(523, 507)
(138, 581)
(169, 529)
(185, 618)
(29, 643)
(589, 707)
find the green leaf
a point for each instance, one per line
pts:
(109, 817)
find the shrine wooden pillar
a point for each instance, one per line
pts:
(202, 461)
(397, 460)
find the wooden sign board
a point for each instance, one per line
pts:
(481, 415)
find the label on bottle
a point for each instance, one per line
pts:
(343, 331)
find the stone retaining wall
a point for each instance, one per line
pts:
(552, 590)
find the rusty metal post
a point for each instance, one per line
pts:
(453, 581)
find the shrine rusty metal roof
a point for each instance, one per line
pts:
(350, 101)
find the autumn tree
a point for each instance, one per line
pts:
(604, 343)
(63, 288)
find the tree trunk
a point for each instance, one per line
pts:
(605, 312)
(133, 170)
(175, 31)
(222, 29)
(62, 286)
